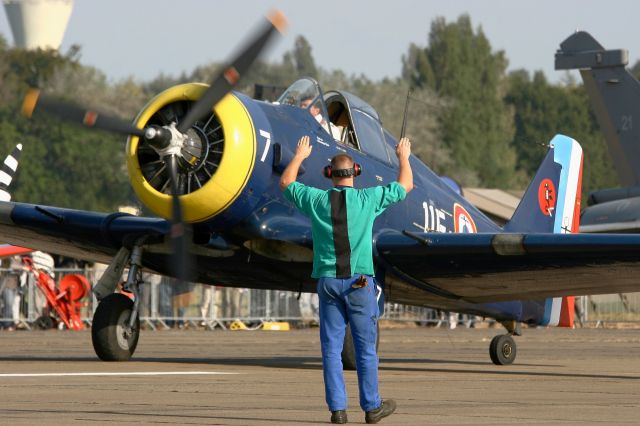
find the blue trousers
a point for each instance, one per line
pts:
(341, 304)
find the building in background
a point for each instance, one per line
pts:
(497, 204)
(38, 23)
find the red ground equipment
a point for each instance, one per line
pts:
(65, 299)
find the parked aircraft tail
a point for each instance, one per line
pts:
(615, 97)
(551, 203)
(7, 171)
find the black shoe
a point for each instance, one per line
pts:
(385, 409)
(339, 417)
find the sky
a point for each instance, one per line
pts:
(143, 38)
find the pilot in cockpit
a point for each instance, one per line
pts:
(314, 110)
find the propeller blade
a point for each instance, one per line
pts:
(234, 70)
(180, 232)
(34, 101)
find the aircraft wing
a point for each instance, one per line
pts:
(98, 237)
(482, 268)
(76, 233)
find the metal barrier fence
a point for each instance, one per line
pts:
(608, 308)
(165, 305)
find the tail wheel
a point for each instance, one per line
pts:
(349, 351)
(502, 350)
(113, 339)
(44, 322)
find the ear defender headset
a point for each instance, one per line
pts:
(328, 171)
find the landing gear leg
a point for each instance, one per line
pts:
(503, 348)
(116, 324)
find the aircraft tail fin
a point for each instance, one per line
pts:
(551, 203)
(8, 171)
(615, 97)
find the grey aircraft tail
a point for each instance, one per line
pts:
(615, 96)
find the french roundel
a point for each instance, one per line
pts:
(547, 197)
(462, 220)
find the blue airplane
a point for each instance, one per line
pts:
(208, 160)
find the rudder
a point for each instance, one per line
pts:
(551, 203)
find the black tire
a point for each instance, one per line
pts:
(44, 322)
(110, 322)
(502, 349)
(349, 352)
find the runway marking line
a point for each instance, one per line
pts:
(131, 373)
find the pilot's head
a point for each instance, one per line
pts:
(342, 170)
(306, 103)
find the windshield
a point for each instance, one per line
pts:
(306, 93)
(302, 93)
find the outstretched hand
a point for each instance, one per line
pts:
(403, 149)
(303, 150)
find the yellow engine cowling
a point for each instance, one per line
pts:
(232, 172)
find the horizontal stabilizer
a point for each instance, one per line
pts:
(581, 50)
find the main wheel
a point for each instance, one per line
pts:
(112, 338)
(502, 349)
(349, 351)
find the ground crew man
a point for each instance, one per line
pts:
(342, 226)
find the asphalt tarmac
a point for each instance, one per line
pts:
(584, 376)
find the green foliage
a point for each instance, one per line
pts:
(62, 164)
(466, 117)
(302, 58)
(543, 110)
(459, 65)
(635, 69)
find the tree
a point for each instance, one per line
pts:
(543, 110)
(303, 58)
(62, 164)
(459, 65)
(635, 69)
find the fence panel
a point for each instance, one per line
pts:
(163, 304)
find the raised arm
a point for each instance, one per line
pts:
(405, 175)
(303, 150)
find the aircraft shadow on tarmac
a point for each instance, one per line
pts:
(315, 363)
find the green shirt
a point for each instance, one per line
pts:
(342, 224)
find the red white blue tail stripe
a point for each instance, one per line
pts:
(559, 311)
(568, 153)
